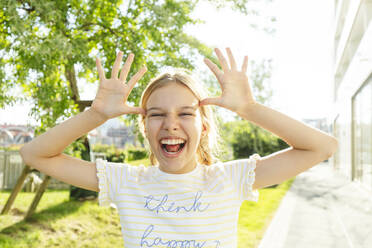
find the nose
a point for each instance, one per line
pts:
(171, 123)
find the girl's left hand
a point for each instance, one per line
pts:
(236, 92)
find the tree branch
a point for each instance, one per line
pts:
(71, 77)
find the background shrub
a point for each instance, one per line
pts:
(113, 154)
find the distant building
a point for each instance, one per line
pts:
(352, 118)
(11, 164)
(321, 124)
(15, 134)
(118, 136)
(111, 132)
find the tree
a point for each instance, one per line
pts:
(243, 139)
(48, 46)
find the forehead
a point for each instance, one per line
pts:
(172, 95)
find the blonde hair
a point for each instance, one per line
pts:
(208, 144)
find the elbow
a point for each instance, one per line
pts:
(333, 147)
(25, 155)
(22, 152)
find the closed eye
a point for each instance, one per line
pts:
(182, 114)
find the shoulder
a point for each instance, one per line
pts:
(104, 164)
(243, 162)
(251, 160)
(135, 172)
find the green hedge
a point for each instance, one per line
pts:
(114, 154)
(136, 153)
(11, 148)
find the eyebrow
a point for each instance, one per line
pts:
(183, 107)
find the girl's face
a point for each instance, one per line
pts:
(173, 127)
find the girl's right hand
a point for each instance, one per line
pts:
(112, 94)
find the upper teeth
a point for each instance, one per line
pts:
(172, 141)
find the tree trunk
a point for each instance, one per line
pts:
(77, 193)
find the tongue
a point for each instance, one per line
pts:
(172, 148)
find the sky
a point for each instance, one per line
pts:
(301, 49)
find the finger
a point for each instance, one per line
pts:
(101, 73)
(231, 58)
(135, 110)
(125, 70)
(214, 68)
(116, 67)
(136, 78)
(245, 64)
(222, 60)
(211, 101)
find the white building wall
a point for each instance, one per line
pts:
(353, 90)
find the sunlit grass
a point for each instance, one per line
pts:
(144, 161)
(59, 222)
(254, 218)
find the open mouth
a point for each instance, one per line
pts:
(172, 147)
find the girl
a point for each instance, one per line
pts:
(184, 199)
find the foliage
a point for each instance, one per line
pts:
(50, 45)
(46, 47)
(114, 154)
(75, 149)
(117, 157)
(145, 162)
(136, 153)
(247, 138)
(11, 148)
(104, 148)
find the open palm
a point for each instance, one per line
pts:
(112, 94)
(236, 91)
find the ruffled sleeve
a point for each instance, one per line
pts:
(242, 175)
(248, 193)
(104, 175)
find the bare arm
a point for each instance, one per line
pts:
(297, 134)
(44, 153)
(309, 146)
(55, 140)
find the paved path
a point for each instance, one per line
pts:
(322, 209)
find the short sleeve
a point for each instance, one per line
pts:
(242, 175)
(108, 175)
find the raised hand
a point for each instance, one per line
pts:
(112, 94)
(236, 91)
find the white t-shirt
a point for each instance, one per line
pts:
(196, 209)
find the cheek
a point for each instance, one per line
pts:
(194, 126)
(152, 127)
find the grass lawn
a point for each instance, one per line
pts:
(59, 222)
(254, 217)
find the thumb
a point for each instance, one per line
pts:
(211, 101)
